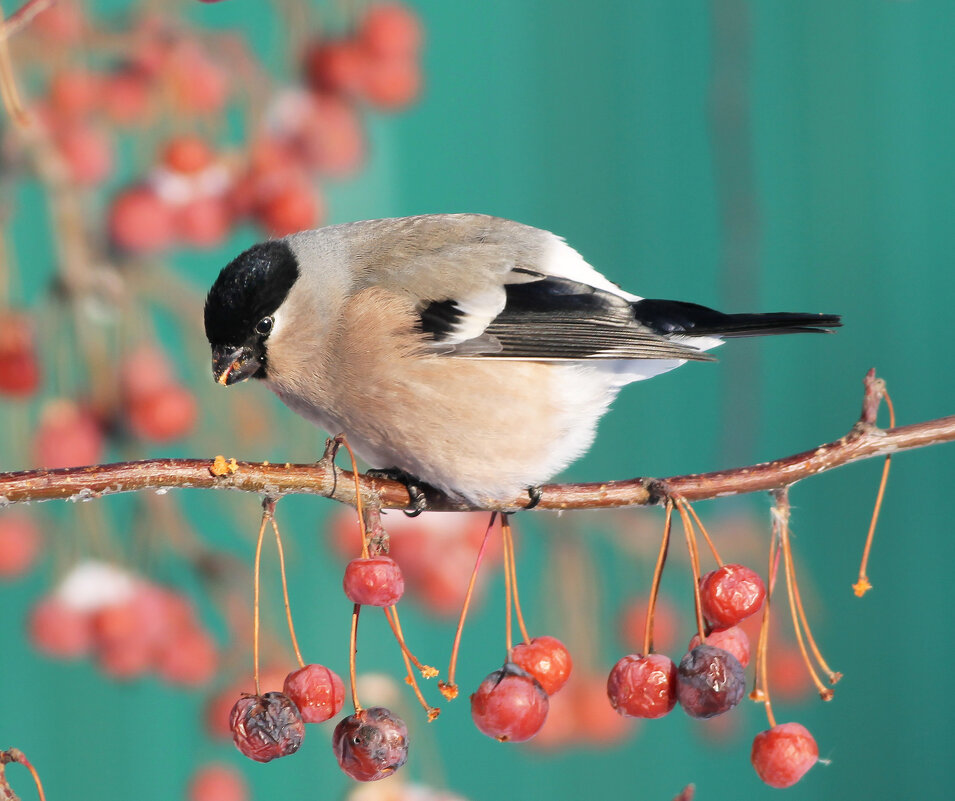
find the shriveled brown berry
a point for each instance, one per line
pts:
(265, 727)
(710, 681)
(371, 744)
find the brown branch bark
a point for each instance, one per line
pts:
(864, 441)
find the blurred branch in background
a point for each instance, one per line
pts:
(864, 441)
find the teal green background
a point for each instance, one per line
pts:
(749, 156)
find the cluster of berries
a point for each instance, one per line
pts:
(128, 624)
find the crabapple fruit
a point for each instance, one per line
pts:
(371, 744)
(643, 686)
(710, 681)
(509, 705)
(265, 727)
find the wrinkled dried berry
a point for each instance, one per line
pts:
(317, 692)
(643, 686)
(731, 593)
(783, 754)
(265, 727)
(371, 744)
(546, 659)
(710, 681)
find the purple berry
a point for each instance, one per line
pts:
(710, 681)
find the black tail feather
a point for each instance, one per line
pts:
(677, 317)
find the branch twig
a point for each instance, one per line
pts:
(864, 441)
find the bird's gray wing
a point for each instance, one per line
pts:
(548, 318)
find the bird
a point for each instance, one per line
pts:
(469, 352)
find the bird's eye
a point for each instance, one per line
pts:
(264, 326)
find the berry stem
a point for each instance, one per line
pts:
(509, 537)
(352, 650)
(508, 631)
(833, 675)
(863, 585)
(790, 573)
(761, 684)
(288, 606)
(267, 505)
(449, 689)
(694, 566)
(342, 439)
(16, 755)
(8, 85)
(657, 576)
(706, 535)
(391, 613)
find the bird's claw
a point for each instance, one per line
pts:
(418, 499)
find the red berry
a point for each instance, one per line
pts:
(546, 659)
(141, 222)
(19, 369)
(219, 707)
(60, 630)
(666, 624)
(510, 705)
(710, 681)
(166, 414)
(336, 66)
(371, 744)
(74, 93)
(733, 639)
(20, 543)
(391, 29)
(68, 436)
(204, 222)
(375, 581)
(643, 686)
(783, 754)
(218, 782)
(731, 593)
(187, 154)
(390, 83)
(317, 692)
(265, 727)
(190, 660)
(125, 95)
(295, 207)
(87, 151)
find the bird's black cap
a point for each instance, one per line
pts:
(252, 286)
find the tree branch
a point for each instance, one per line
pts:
(864, 441)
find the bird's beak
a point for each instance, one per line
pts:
(232, 365)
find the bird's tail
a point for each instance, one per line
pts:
(676, 317)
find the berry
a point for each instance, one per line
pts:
(336, 66)
(317, 692)
(783, 754)
(391, 29)
(510, 705)
(141, 222)
(710, 681)
(204, 222)
(166, 414)
(217, 782)
(390, 83)
(546, 659)
(731, 593)
(19, 369)
(20, 544)
(60, 630)
(371, 744)
(190, 660)
(87, 151)
(68, 436)
(733, 639)
(265, 727)
(375, 581)
(294, 207)
(187, 154)
(643, 686)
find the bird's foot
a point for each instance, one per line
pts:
(411, 483)
(535, 494)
